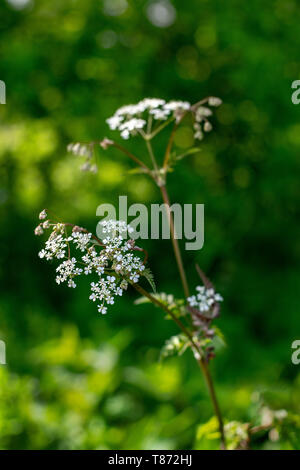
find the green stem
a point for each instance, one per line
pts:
(203, 365)
(175, 243)
(209, 382)
(160, 128)
(149, 147)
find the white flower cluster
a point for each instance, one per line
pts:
(117, 249)
(204, 299)
(112, 262)
(55, 247)
(131, 119)
(67, 271)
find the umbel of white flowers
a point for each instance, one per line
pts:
(204, 299)
(133, 119)
(147, 118)
(110, 260)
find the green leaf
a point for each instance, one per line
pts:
(177, 344)
(150, 278)
(218, 340)
(188, 152)
(137, 170)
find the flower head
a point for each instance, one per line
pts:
(204, 299)
(110, 261)
(133, 119)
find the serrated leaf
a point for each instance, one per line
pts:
(150, 278)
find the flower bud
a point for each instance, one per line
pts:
(43, 215)
(38, 230)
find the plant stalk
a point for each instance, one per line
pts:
(149, 148)
(175, 243)
(208, 379)
(203, 365)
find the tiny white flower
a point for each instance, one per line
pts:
(38, 230)
(42, 253)
(43, 215)
(214, 101)
(204, 299)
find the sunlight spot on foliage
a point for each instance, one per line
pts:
(19, 4)
(111, 173)
(166, 377)
(114, 7)
(38, 142)
(73, 23)
(107, 39)
(141, 189)
(161, 13)
(30, 188)
(242, 397)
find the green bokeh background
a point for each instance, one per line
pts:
(75, 379)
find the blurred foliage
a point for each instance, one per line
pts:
(77, 380)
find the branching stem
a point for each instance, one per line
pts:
(162, 186)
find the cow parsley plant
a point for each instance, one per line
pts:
(112, 261)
